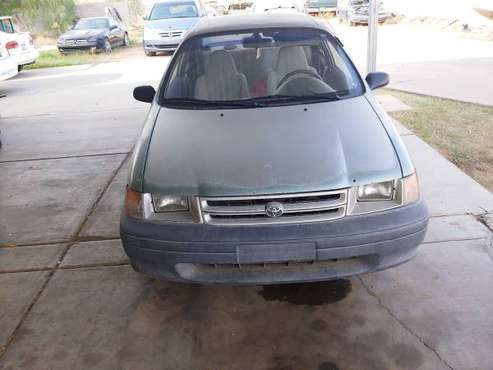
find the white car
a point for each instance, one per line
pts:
(18, 44)
(8, 66)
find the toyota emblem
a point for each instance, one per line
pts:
(274, 209)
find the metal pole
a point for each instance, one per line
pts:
(371, 60)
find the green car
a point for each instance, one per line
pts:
(265, 159)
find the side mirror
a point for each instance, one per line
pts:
(376, 80)
(113, 27)
(145, 17)
(144, 93)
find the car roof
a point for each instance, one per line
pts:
(254, 21)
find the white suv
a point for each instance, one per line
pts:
(18, 44)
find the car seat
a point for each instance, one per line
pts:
(290, 58)
(221, 80)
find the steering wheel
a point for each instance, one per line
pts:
(297, 73)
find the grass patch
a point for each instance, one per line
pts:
(53, 58)
(462, 132)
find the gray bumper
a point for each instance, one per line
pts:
(275, 253)
(363, 19)
(170, 44)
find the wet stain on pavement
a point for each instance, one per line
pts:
(319, 325)
(308, 294)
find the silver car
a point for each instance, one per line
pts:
(167, 23)
(265, 158)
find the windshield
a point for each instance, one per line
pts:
(174, 10)
(322, 3)
(260, 68)
(92, 24)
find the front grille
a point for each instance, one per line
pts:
(253, 210)
(171, 33)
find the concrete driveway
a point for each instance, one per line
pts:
(427, 60)
(69, 299)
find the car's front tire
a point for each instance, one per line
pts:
(126, 40)
(107, 46)
(150, 53)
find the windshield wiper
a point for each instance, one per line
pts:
(200, 104)
(259, 102)
(287, 99)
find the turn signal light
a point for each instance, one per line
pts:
(134, 203)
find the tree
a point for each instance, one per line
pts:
(50, 15)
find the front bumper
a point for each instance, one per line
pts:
(165, 44)
(87, 46)
(363, 19)
(269, 254)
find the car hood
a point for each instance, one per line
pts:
(82, 34)
(286, 149)
(171, 24)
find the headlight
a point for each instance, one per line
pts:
(92, 39)
(383, 195)
(61, 40)
(169, 203)
(376, 192)
(161, 208)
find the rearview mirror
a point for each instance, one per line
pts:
(145, 17)
(144, 93)
(377, 79)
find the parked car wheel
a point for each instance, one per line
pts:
(126, 40)
(107, 46)
(20, 67)
(150, 53)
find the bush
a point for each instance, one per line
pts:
(52, 16)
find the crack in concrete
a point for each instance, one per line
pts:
(64, 157)
(63, 241)
(36, 244)
(96, 238)
(402, 324)
(34, 269)
(95, 265)
(73, 241)
(74, 267)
